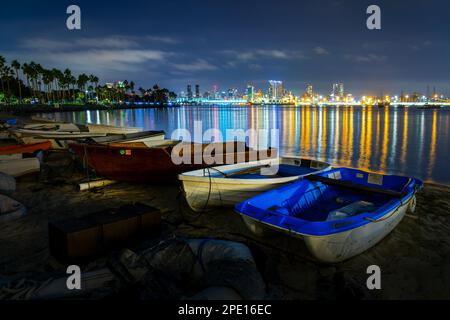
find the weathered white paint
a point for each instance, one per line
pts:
(207, 188)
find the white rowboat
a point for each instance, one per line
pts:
(230, 184)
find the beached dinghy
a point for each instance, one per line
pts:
(10, 209)
(20, 167)
(338, 213)
(144, 137)
(102, 128)
(40, 129)
(230, 184)
(138, 162)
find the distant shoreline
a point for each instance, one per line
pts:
(26, 109)
(29, 109)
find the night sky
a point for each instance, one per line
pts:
(231, 43)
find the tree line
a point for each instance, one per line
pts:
(50, 86)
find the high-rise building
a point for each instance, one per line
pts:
(309, 90)
(338, 90)
(189, 92)
(335, 90)
(215, 92)
(341, 89)
(197, 91)
(232, 93)
(250, 93)
(275, 90)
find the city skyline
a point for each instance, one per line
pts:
(276, 92)
(230, 44)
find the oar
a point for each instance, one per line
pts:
(246, 170)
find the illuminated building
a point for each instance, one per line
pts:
(341, 89)
(250, 93)
(275, 92)
(197, 91)
(189, 92)
(309, 90)
(232, 93)
(338, 90)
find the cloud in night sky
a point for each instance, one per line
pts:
(321, 51)
(198, 65)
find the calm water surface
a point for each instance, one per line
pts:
(406, 141)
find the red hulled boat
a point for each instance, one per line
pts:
(136, 162)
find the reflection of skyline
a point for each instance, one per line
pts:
(397, 141)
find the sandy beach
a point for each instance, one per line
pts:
(414, 259)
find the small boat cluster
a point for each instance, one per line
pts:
(337, 212)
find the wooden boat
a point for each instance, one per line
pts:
(20, 167)
(61, 140)
(10, 209)
(144, 136)
(230, 184)
(102, 128)
(40, 129)
(137, 162)
(95, 128)
(52, 127)
(338, 213)
(25, 148)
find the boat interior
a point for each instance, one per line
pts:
(284, 170)
(354, 193)
(324, 203)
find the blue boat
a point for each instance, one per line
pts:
(8, 121)
(338, 213)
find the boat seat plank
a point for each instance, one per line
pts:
(354, 186)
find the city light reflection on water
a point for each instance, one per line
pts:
(405, 141)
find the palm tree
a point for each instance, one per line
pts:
(81, 82)
(67, 80)
(2, 63)
(16, 65)
(7, 74)
(26, 72)
(39, 70)
(94, 80)
(33, 75)
(57, 76)
(47, 79)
